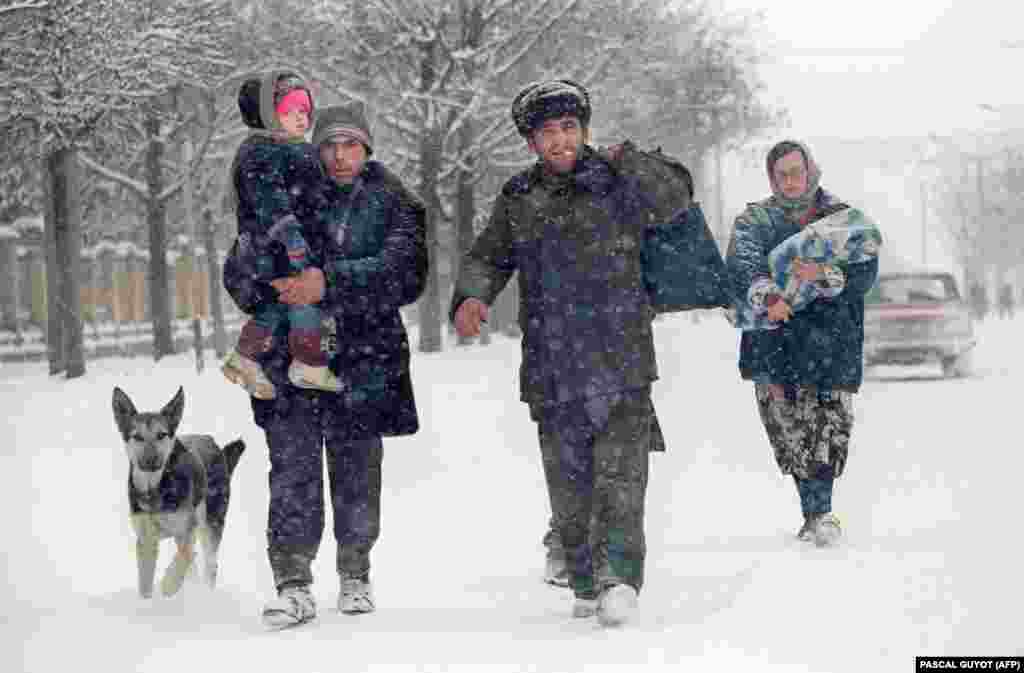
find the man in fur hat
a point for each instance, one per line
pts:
(573, 227)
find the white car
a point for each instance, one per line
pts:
(913, 318)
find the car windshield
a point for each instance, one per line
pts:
(912, 290)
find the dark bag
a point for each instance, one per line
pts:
(683, 268)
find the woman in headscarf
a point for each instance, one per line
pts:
(807, 369)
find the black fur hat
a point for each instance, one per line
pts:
(541, 101)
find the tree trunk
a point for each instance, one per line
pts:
(159, 300)
(465, 196)
(430, 165)
(53, 213)
(430, 302)
(64, 249)
(220, 338)
(465, 213)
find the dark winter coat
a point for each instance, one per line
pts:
(821, 345)
(371, 237)
(274, 181)
(576, 242)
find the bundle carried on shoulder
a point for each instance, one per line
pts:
(839, 237)
(682, 266)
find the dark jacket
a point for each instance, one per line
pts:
(274, 182)
(821, 345)
(576, 242)
(372, 240)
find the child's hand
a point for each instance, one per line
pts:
(779, 311)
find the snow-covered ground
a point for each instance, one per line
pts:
(930, 503)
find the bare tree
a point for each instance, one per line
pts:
(69, 66)
(175, 111)
(441, 75)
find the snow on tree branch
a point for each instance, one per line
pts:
(23, 6)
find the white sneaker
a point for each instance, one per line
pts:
(806, 532)
(583, 608)
(248, 373)
(293, 606)
(356, 596)
(827, 530)
(314, 378)
(556, 573)
(616, 605)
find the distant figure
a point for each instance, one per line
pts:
(978, 300)
(1006, 301)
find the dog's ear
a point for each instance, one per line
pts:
(174, 409)
(124, 411)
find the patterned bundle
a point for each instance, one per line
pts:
(841, 238)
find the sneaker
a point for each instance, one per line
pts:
(584, 607)
(806, 532)
(827, 530)
(248, 373)
(556, 572)
(294, 605)
(616, 605)
(315, 378)
(356, 596)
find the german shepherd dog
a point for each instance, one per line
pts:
(177, 487)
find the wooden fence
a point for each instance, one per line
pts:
(114, 294)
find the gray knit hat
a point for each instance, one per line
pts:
(343, 121)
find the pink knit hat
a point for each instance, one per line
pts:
(294, 99)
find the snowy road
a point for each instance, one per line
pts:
(930, 503)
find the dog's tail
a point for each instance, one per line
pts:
(232, 452)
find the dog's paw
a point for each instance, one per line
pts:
(175, 576)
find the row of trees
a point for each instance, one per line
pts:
(120, 118)
(978, 188)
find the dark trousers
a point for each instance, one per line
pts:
(816, 492)
(595, 455)
(809, 431)
(303, 323)
(297, 443)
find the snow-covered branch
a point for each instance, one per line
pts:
(24, 6)
(139, 188)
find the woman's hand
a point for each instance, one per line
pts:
(306, 288)
(780, 311)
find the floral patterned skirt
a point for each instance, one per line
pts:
(807, 428)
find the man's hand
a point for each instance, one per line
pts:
(306, 288)
(780, 311)
(471, 313)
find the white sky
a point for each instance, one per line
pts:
(885, 67)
